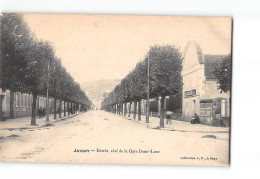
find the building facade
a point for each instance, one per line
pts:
(22, 104)
(200, 89)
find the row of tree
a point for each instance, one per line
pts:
(29, 65)
(165, 66)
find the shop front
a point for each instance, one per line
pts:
(215, 112)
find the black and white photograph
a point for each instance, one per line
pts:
(115, 89)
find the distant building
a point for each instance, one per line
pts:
(200, 93)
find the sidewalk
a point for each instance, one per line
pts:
(24, 123)
(176, 125)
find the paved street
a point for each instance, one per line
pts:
(98, 136)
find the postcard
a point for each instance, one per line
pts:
(115, 89)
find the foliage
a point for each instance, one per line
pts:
(165, 70)
(15, 44)
(223, 73)
(165, 77)
(28, 64)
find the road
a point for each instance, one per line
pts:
(101, 137)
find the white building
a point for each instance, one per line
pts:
(200, 92)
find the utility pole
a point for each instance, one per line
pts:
(148, 90)
(47, 106)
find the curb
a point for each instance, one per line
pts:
(167, 128)
(144, 124)
(49, 123)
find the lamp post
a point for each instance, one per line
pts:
(148, 91)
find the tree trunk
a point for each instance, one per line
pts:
(64, 108)
(71, 108)
(125, 111)
(162, 112)
(33, 119)
(12, 104)
(68, 108)
(135, 105)
(60, 109)
(55, 110)
(139, 110)
(129, 113)
(1, 108)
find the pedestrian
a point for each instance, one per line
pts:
(168, 117)
(43, 112)
(195, 119)
(40, 112)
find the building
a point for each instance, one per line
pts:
(200, 92)
(22, 104)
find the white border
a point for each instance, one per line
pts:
(245, 147)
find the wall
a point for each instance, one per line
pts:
(193, 79)
(23, 104)
(190, 104)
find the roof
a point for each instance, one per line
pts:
(210, 61)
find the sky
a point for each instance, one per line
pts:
(96, 47)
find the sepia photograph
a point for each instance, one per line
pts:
(115, 89)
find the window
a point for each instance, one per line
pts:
(24, 100)
(30, 96)
(21, 101)
(7, 98)
(190, 93)
(17, 100)
(223, 108)
(227, 108)
(27, 101)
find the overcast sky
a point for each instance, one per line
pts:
(95, 47)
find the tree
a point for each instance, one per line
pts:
(29, 65)
(165, 79)
(223, 72)
(39, 57)
(16, 42)
(165, 70)
(165, 73)
(138, 86)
